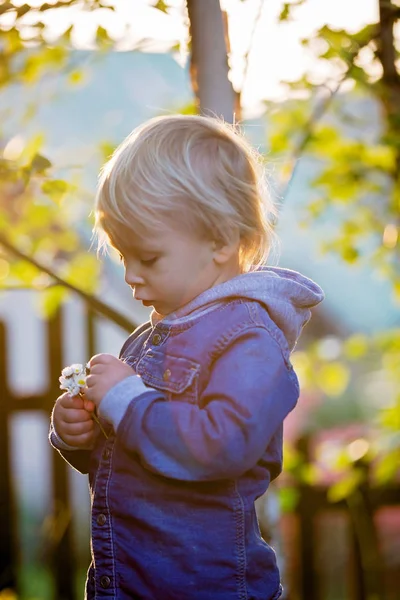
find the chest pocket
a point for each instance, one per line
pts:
(174, 375)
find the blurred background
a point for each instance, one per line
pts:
(315, 86)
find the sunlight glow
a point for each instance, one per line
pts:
(14, 148)
(390, 236)
(276, 53)
(357, 449)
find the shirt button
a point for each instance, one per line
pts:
(105, 582)
(106, 454)
(156, 339)
(166, 374)
(101, 519)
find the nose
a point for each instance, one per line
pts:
(133, 276)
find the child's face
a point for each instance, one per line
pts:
(168, 270)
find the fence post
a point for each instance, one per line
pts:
(369, 567)
(64, 564)
(306, 513)
(8, 577)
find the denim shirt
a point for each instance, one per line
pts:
(194, 437)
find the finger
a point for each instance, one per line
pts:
(68, 401)
(74, 415)
(90, 382)
(79, 441)
(89, 405)
(74, 429)
(91, 394)
(97, 369)
(101, 359)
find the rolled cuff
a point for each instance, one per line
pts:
(58, 443)
(115, 403)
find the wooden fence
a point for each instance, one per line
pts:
(367, 570)
(63, 565)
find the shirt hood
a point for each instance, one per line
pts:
(287, 295)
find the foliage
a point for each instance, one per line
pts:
(348, 128)
(40, 213)
(356, 181)
(362, 373)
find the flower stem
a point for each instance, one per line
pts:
(97, 420)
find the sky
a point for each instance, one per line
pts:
(276, 51)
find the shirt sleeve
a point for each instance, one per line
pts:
(77, 458)
(58, 442)
(251, 390)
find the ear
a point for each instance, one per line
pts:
(223, 252)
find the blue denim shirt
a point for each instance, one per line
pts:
(194, 438)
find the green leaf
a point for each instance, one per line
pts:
(390, 418)
(347, 485)
(31, 149)
(279, 143)
(39, 217)
(50, 299)
(68, 241)
(380, 157)
(188, 109)
(23, 10)
(38, 64)
(285, 12)
(316, 207)
(76, 77)
(83, 272)
(333, 378)
(103, 40)
(23, 272)
(309, 473)
(55, 189)
(292, 459)
(4, 269)
(350, 254)
(40, 163)
(355, 347)
(288, 499)
(160, 5)
(106, 149)
(387, 467)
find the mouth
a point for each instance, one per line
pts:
(147, 302)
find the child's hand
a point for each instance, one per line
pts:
(73, 421)
(105, 372)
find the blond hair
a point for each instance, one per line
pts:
(192, 171)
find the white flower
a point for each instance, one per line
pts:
(73, 378)
(67, 372)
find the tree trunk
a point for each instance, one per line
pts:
(388, 13)
(390, 94)
(209, 63)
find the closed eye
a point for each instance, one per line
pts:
(150, 261)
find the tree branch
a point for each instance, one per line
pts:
(315, 117)
(249, 49)
(98, 306)
(387, 50)
(387, 20)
